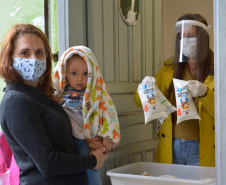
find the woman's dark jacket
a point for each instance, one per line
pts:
(39, 133)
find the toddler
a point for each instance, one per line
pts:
(79, 83)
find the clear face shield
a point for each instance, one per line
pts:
(192, 41)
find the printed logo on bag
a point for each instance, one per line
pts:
(178, 112)
(146, 108)
(184, 103)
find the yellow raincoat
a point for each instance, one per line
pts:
(164, 152)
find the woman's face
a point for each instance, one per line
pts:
(188, 42)
(29, 46)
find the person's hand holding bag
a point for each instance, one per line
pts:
(149, 80)
(197, 89)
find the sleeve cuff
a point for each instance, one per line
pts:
(93, 160)
(204, 94)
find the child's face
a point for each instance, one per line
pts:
(77, 72)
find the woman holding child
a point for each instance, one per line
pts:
(35, 125)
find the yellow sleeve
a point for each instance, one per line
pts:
(208, 100)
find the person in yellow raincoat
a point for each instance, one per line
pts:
(191, 142)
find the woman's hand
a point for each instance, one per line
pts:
(197, 89)
(95, 143)
(148, 80)
(100, 156)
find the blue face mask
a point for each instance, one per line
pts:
(29, 69)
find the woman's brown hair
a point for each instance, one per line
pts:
(7, 47)
(205, 56)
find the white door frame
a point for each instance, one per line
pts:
(220, 89)
(71, 34)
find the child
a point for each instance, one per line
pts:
(87, 102)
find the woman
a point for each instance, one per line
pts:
(34, 124)
(190, 142)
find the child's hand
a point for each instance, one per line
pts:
(95, 143)
(108, 145)
(91, 151)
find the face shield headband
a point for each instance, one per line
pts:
(180, 24)
(188, 46)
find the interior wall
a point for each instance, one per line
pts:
(173, 9)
